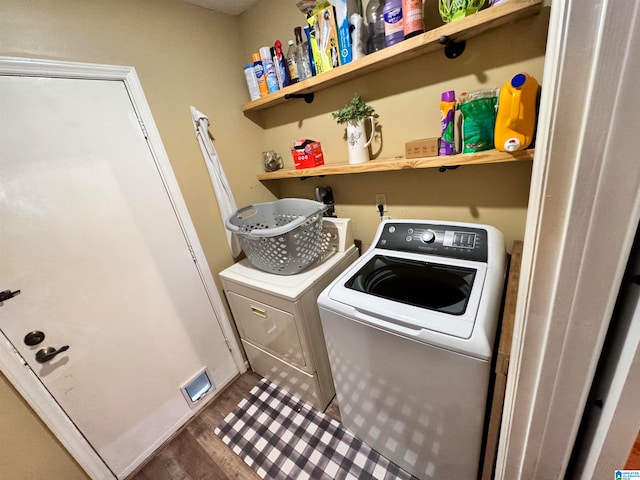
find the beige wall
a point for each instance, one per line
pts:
(29, 450)
(406, 98)
(185, 55)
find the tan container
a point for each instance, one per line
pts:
(426, 147)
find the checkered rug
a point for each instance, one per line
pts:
(282, 438)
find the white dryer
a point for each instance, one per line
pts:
(277, 317)
(410, 329)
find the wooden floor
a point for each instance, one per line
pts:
(633, 462)
(196, 453)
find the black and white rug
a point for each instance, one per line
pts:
(282, 438)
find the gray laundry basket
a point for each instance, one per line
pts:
(282, 237)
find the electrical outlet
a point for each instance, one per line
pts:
(381, 199)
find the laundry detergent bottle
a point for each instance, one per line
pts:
(447, 121)
(393, 25)
(516, 116)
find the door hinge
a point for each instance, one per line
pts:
(228, 342)
(193, 254)
(143, 128)
(15, 351)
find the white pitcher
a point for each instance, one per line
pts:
(357, 143)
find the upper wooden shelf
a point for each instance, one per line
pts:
(400, 163)
(406, 50)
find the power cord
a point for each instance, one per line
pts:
(381, 210)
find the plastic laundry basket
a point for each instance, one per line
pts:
(282, 237)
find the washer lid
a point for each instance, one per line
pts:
(416, 294)
(437, 287)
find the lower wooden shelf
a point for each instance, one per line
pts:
(401, 163)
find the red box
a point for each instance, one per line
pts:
(307, 154)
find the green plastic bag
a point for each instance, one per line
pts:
(451, 10)
(478, 110)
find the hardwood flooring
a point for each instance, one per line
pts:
(633, 462)
(196, 453)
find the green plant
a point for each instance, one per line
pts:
(355, 110)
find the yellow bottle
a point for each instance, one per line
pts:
(516, 117)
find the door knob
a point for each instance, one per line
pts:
(45, 354)
(33, 338)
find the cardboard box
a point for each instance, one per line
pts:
(307, 154)
(323, 34)
(426, 147)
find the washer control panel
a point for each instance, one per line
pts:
(465, 243)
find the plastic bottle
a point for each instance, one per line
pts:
(252, 82)
(393, 26)
(292, 62)
(281, 65)
(516, 117)
(375, 21)
(307, 44)
(269, 69)
(272, 50)
(447, 117)
(304, 63)
(258, 69)
(412, 17)
(358, 36)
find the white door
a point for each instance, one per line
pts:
(90, 237)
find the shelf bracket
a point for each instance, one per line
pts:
(308, 97)
(444, 168)
(452, 49)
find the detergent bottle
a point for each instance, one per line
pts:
(447, 120)
(516, 117)
(393, 24)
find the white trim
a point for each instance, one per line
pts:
(609, 429)
(27, 384)
(578, 235)
(164, 165)
(31, 67)
(24, 379)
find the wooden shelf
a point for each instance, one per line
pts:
(408, 49)
(401, 163)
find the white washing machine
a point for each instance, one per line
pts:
(410, 329)
(278, 321)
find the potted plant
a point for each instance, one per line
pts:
(354, 115)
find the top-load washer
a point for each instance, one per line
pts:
(410, 329)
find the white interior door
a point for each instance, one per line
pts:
(90, 236)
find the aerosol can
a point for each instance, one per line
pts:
(517, 110)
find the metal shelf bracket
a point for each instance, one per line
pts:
(452, 49)
(444, 168)
(308, 97)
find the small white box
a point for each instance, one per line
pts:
(345, 234)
